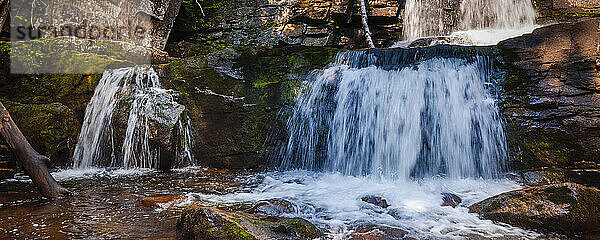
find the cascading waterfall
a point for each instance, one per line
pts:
(150, 105)
(361, 116)
(423, 18)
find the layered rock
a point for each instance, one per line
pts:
(551, 99)
(198, 222)
(296, 22)
(565, 208)
(565, 10)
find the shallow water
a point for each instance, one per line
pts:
(107, 203)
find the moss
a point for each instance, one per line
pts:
(50, 128)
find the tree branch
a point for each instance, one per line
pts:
(363, 14)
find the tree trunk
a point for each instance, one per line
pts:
(363, 14)
(32, 162)
(4, 9)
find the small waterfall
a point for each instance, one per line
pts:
(424, 18)
(361, 116)
(497, 14)
(132, 98)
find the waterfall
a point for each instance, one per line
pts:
(132, 97)
(366, 116)
(423, 18)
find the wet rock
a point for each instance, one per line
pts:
(588, 177)
(371, 232)
(451, 200)
(544, 176)
(162, 200)
(198, 222)
(273, 207)
(232, 118)
(565, 208)
(375, 200)
(551, 95)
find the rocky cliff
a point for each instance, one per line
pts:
(552, 96)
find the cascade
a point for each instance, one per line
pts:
(136, 94)
(419, 117)
(423, 18)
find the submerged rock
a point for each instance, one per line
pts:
(370, 232)
(375, 200)
(162, 200)
(565, 208)
(197, 222)
(451, 200)
(273, 207)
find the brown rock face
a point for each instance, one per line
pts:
(565, 208)
(552, 95)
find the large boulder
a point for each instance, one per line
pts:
(551, 99)
(565, 208)
(207, 223)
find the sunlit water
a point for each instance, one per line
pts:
(106, 203)
(332, 201)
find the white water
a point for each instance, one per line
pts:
(492, 20)
(332, 202)
(434, 118)
(149, 102)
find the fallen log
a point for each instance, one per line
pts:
(32, 162)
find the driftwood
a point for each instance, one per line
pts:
(32, 162)
(364, 17)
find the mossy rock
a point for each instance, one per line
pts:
(197, 222)
(232, 115)
(51, 129)
(566, 208)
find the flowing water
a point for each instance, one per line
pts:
(425, 18)
(436, 117)
(139, 90)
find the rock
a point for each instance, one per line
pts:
(451, 200)
(273, 207)
(567, 208)
(543, 176)
(551, 100)
(371, 232)
(375, 200)
(162, 200)
(198, 222)
(565, 10)
(232, 117)
(588, 177)
(51, 129)
(147, 22)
